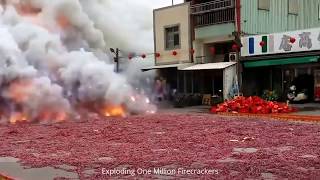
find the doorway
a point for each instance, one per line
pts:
(301, 78)
(305, 83)
(288, 77)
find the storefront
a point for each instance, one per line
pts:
(213, 79)
(283, 63)
(172, 79)
(216, 79)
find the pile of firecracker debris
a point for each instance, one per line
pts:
(252, 104)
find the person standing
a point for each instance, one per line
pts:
(159, 90)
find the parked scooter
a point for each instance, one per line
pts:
(296, 97)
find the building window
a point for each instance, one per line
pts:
(172, 37)
(319, 12)
(293, 6)
(264, 4)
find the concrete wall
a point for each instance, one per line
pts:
(278, 19)
(168, 16)
(215, 32)
(211, 34)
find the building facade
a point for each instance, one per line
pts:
(280, 47)
(278, 61)
(270, 16)
(197, 43)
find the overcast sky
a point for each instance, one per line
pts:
(162, 3)
(139, 28)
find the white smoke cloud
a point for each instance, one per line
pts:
(12, 63)
(39, 49)
(126, 24)
(129, 29)
(123, 28)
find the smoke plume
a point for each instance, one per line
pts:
(54, 60)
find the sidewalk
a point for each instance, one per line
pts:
(307, 112)
(309, 109)
(191, 109)
(168, 107)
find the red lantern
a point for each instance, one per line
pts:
(130, 56)
(292, 40)
(262, 43)
(157, 55)
(174, 53)
(212, 50)
(192, 51)
(143, 56)
(235, 47)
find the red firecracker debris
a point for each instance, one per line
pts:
(169, 140)
(254, 105)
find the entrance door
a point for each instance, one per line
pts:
(288, 77)
(304, 82)
(317, 85)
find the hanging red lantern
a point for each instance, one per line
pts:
(174, 53)
(157, 55)
(143, 56)
(130, 56)
(192, 51)
(235, 47)
(213, 50)
(262, 43)
(292, 40)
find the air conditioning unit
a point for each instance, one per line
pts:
(233, 57)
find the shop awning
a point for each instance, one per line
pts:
(168, 66)
(208, 66)
(274, 62)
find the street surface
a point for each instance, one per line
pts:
(232, 148)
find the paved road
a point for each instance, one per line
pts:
(231, 148)
(311, 109)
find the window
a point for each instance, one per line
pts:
(264, 4)
(172, 37)
(319, 12)
(293, 6)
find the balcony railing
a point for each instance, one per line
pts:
(209, 59)
(215, 12)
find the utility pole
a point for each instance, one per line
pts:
(172, 2)
(116, 58)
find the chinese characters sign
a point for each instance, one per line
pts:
(286, 42)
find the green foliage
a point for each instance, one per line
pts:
(270, 95)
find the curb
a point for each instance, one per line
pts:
(283, 117)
